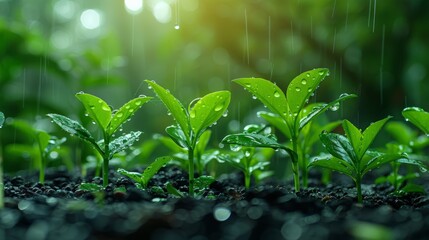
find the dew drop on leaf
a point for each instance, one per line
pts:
(235, 147)
(120, 115)
(254, 97)
(192, 114)
(303, 81)
(308, 74)
(138, 103)
(225, 114)
(335, 107)
(247, 153)
(276, 94)
(298, 89)
(219, 107)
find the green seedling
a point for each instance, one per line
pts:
(418, 117)
(142, 179)
(288, 111)
(193, 122)
(201, 184)
(252, 137)
(40, 152)
(180, 155)
(349, 154)
(406, 140)
(109, 122)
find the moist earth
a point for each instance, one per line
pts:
(58, 209)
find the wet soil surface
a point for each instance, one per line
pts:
(60, 210)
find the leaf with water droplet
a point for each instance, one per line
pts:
(177, 135)
(96, 108)
(73, 127)
(267, 92)
(276, 121)
(418, 117)
(123, 142)
(302, 86)
(173, 105)
(380, 159)
(125, 112)
(153, 168)
(307, 117)
(208, 110)
(330, 162)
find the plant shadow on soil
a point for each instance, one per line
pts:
(270, 210)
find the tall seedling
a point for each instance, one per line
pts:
(288, 110)
(108, 122)
(191, 123)
(349, 154)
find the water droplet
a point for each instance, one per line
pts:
(149, 87)
(138, 103)
(219, 107)
(303, 81)
(92, 107)
(177, 26)
(142, 96)
(105, 108)
(335, 107)
(119, 115)
(225, 114)
(235, 147)
(248, 85)
(310, 90)
(254, 97)
(321, 72)
(81, 92)
(247, 153)
(221, 145)
(192, 114)
(276, 94)
(86, 115)
(308, 75)
(298, 89)
(169, 113)
(93, 122)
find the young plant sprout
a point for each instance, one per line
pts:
(193, 122)
(418, 117)
(349, 154)
(288, 111)
(142, 179)
(108, 122)
(39, 152)
(245, 158)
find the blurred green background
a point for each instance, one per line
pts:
(49, 50)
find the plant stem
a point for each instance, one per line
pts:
(246, 179)
(295, 164)
(1, 176)
(359, 189)
(106, 156)
(191, 171)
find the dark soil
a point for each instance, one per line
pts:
(59, 210)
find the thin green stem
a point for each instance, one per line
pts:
(191, 171)
(106, 158)
(1, 176)
(295, 164)
(359, 189)
(247, 179)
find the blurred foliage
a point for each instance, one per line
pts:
(375, 49)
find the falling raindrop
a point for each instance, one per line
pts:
(247, 37)
(373, 18)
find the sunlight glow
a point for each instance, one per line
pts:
(134, 6)
(90, 19)
(162, 12)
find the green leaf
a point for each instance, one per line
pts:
(91, 187)
(401, 132)
(303, 86)
(267, 92)
(123, 142)
(277, 122)
(125, 112)
(317, 110)
(72, 127)
(252, 140)
(177, 135)
(172, 190)
(339, 146)
(208, 110)
(203, 182)
(153, 168)
(135, 176)
(380, 160)
(418, 117)
(173, 106)
(257, 140)
(354, 135)
(369, 135)
(313, 136)
(234, 159)
(336, 164)
(169, 143)
(203, 141)
(43, 140)
(96, 108)
(1, 119)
